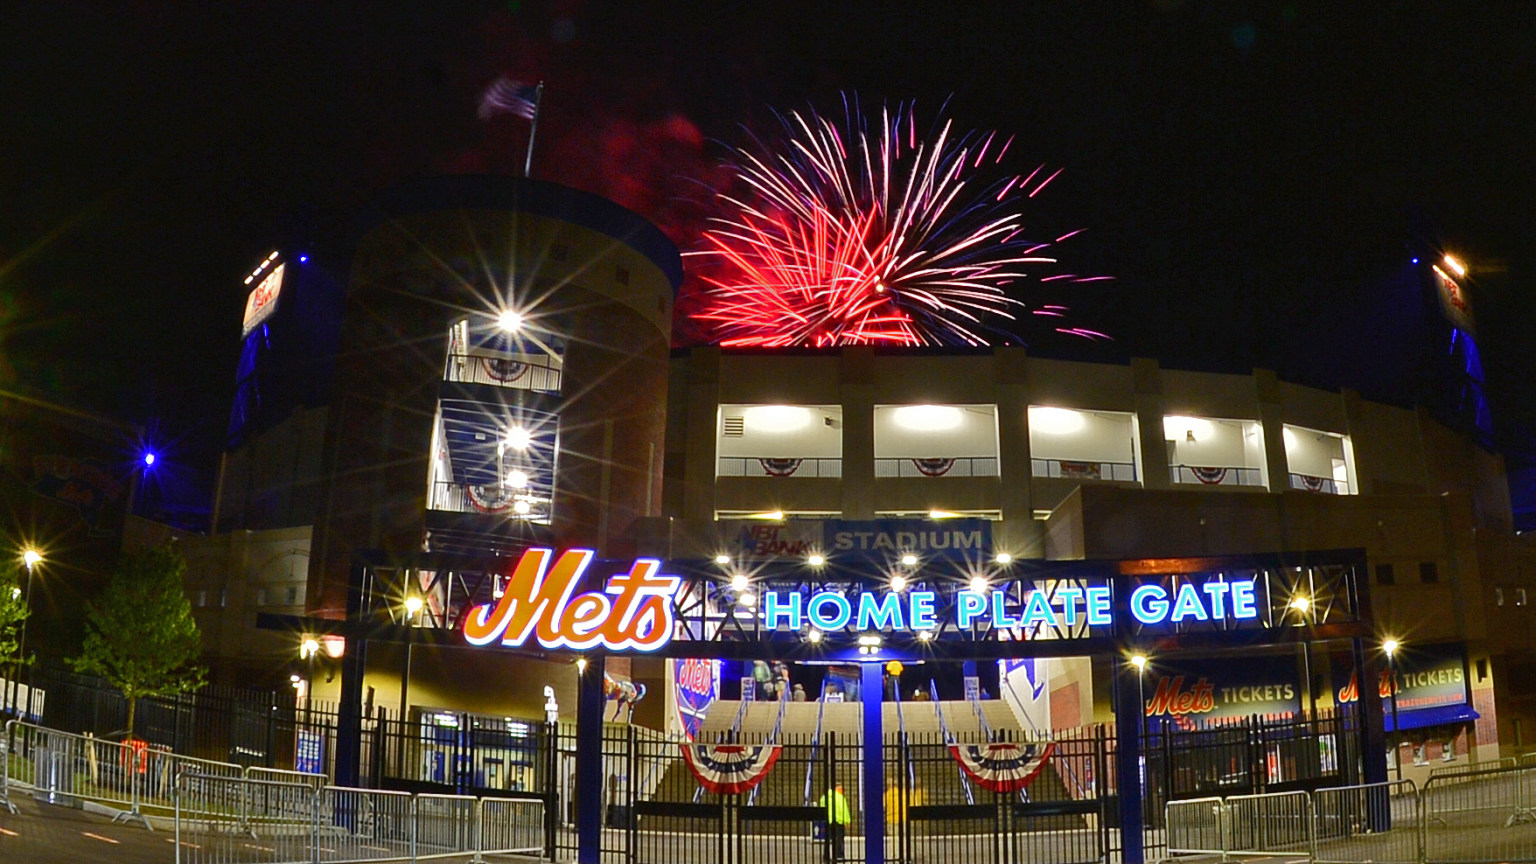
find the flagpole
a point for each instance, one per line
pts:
(533, 129)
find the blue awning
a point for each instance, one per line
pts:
(1437, 716)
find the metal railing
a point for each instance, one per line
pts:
(524, 372)
(222, 820)
(1372, 822)
(1197, 475)
(1474, 817)
(959, 466)
(1197, 826)
(763, 466)
(1076, 469)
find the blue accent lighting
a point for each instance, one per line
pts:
(149, 460)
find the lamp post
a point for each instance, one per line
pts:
(1140, 662)
(307, 651)
(32, 558)
(1390, 648)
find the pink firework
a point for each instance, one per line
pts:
(865, 233)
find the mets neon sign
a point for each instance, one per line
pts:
(634, 612)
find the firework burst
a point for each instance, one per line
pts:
(863, 232)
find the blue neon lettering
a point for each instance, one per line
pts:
(1037, 610)
(971, 604)
(1242, 600)
(1000, 613)
(837, 622)
(782, 605)
(1149, 603)
(1187, 604)
(921, 611)
(1217, 591)
(1098, 606)
(882, 614)
(1068, 598)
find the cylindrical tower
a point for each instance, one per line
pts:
(501, 378)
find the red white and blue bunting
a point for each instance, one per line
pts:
(1006, 767)
(730, 769)
(780, 467)
(933, 467)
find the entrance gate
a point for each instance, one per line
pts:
(632, 800)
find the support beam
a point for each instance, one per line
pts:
(589, 763)
(1128, 722)
(872, 695)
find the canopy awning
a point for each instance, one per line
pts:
(1418, 718)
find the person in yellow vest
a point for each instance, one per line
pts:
(896, 804)
(835, 804)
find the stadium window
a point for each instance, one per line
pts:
(1429, 571)
(1384, 575)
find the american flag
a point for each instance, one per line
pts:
(506, 96)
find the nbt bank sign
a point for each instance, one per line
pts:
(636, 609)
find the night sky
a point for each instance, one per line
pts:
(1248, 171)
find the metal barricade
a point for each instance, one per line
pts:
(1196, 826)
(1278, 823)
(364, 825)
(445, 825)
(1480, 816)
(231, 820)
(284, 775)
(510, 826)
(1379, 822)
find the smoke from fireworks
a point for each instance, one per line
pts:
(866, 233)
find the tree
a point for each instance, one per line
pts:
(140, 634)
(13, 613)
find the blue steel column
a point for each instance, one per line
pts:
(589, 763)
(1128, 714)
(872, 695)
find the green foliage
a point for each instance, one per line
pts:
(13, 611)
(140, 634)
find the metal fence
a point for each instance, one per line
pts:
(1470, 817)
(134, 778)
(1378, 822)
(220, 820)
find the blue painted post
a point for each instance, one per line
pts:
(872, 692)
(1128, 718)
(589, 763)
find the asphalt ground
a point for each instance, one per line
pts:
(42, 833)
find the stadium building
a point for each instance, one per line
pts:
(685, 595)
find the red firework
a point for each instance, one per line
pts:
(851, 236)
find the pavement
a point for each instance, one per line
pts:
(45, 833)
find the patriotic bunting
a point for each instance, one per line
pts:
(730, 769)
(1006, 767)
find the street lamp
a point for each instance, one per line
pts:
(31, 558)
(1390, 647)
(1140, 662)
(307, 651)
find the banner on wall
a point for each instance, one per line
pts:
(696, 683)
(874, 540)
(1429, 678)
(1189, 693)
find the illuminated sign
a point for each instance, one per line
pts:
(634, 612)
(542, 602)
(1066, 606)
(262, 301)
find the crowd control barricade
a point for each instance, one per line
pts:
(235, 820)
(1197, 826)
(231, 820)
(1378, 822)
(134, 778)
(1272, 824)
(510, 826)
(1480, 816)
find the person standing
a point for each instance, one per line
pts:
(835, 804)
